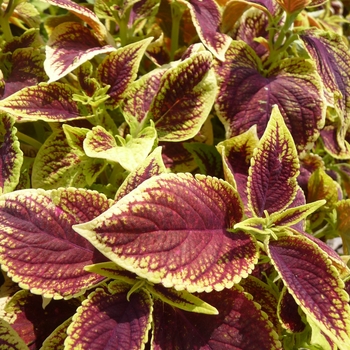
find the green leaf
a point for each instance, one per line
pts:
(272, 181)
(119, 69)
(11, 156)
(181, 299)
(184, 99)
(343, 223)
(240, 324)
(314, 283)
(99, 143)
(172, 229)
(9, 338)
(55, 341)
(107, 320)
(47, 102)
(38, 247)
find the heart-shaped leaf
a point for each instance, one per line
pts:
(272, 182)
(48, 102)
(39, 249)
(240, 325)
(181, 222)
(315, 285)
(11, 156)
(70, 45)
(108, 320)
(246, 95)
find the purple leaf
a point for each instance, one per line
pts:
(39, 249)
(315, 285)
(107, 320)
(181, 224)
(70, 45)
(240, 325)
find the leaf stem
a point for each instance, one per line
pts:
(176, 15)
(29, 140)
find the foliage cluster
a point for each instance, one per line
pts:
(171, 172)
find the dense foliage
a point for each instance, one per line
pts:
(171, 173)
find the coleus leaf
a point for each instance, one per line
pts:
(47, 102)
(343, 223)
(184, 99)
(9, 338)
(11, 156)
(119, 69)
(30, 38)
(332, 61)
(133, 151)
(152, 165)
(70, 45)
(55, 341)
(288, 312)
(240, 325)
(315, 285)
(272, 181)
(26, 70)
(206, 18)
(108, 320)
(246, 97)
(293, 6)
(33, 322)
(46, 255)
(87, 16)
(182, 224)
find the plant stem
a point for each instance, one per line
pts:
(176, 15)
(123, 27)
(29, 140)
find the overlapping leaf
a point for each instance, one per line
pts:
(246, 96)
(332, 60)
(48, 102)
(119, 69)
(55, 341)
(153, 165)
(11, 156)
(70, 45)
(206, 18)
(240, 325)
(108, 320)
(9, 338)
(315, 285)
(272, 182)
(33, 322)
(38, 247)
(181, 224)
(185, 97)
(87, 16)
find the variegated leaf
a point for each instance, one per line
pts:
(55, 341)
(38, 247)
(47, 102)
(272, 181)
(181, 222)
(70, 45)
(108, 320)
(314, 283)
(240, 325)
(119, 69)
(33, 322)
(30, 38)
(11, 156)
(185, 97)
(246, 96)
(87, 16)
(206, 18)
(343, 223)
(153, 165)
(9, 338)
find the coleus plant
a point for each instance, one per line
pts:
(171, 173)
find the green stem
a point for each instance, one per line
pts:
(29, 140)
(123, 27)
(176, 15)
